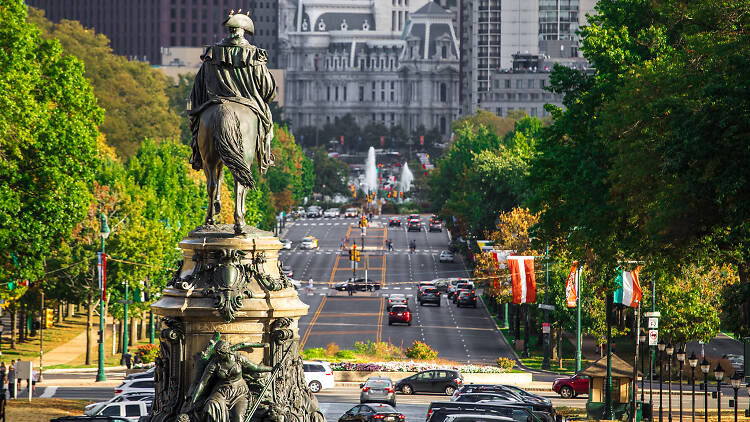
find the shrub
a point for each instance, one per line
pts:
(506, 363)
(332, 348)
(147, 352)
(422, 351)
(364, 347)
(314, 354)
(346, 355)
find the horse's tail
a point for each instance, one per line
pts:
(227, 136)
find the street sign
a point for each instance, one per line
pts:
(547, 307)
(653, 337)
(653, 323)
(653, 314)
(545, 328)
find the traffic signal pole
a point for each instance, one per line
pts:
(42, 318)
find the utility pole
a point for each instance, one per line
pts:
(104, 231)
(547, 330)
(42, 320)
(578, 319)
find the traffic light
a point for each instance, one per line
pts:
(49, 318)
(354, 254)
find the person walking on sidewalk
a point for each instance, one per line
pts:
(12, 379)
(310, 286)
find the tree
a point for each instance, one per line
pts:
(132, 93)
(288, 178)
(48, 150)
(330, 173)
(179, 94)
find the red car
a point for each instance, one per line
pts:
(570, 387)
(399, 313)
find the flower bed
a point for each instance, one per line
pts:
(411, 366)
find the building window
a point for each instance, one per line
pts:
(533, 112)
(382, 117)
(519, 83)
(444, 52)
(542, 83)
(382, 97)
(344, 92)
(361, 94)
(507, 83)
(336, 93)
(499, 111)
(393, 96)
(443, 125)
(328, 93)
(531, 83)
(443, 93)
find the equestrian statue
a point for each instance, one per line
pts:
(230, 117)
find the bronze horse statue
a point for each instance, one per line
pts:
(232, 123)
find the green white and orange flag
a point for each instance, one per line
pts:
(629, 293)
(571, 286)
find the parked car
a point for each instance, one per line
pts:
(539, 402)
(394, 221)
(331, 213)
(397, 299)
(466, 298)
(504, 396)
(439, 411)
(148, 373)
(93, 408)
(571, 387)
(400, 314)
(314, 211)
(351, 213)
(286, 244)
(428, 294)
(139, 385)
(309, 242)
(431, 381)
(378, 390)
(372, 413)
(318, 375)
(414, 226)
(87, 418)
(473, 417)
(447, 256)
(436, 226)
(288, 271)
(130, 410)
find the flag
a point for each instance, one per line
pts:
(522, 278)
(629, 293)
(571, 286)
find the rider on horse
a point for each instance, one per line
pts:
(235, 71)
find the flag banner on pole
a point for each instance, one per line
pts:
(104, 277)
(99, 268)
(629, 292)
(571, 286)
(522, 278)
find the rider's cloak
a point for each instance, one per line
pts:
(236, 73)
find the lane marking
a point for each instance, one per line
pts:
(312, 322)
(380, 320)
(346, 314)
(49, 392)
(331, 333)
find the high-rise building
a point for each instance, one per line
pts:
(140, 29)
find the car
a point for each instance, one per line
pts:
(447, 256)
(462, 286)
(400, 314)
(397, 299)
(439, 411)
(473, 417)
(139, 385)
(428, 294)
(539, 402)
(318, 375)
(466, 298)
(416, 217)
(425, 284)
(308, 242)
(87, 418)
(454, 282)
(444, 381)
(436, 226)
(286, 243)
(130, 410)
(364, 285)
(372, 413)
(571, 386)
(288, 271)
(314, 211)
(441, 285)
(148, 373)
(331, 213)
(296, 283)
(394, 221)
(504, 396)
(414, 226)
(93, 408)
(377, 390)
(351, 213)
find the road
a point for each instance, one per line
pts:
(463, 335)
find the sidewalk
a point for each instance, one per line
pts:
(68, 352)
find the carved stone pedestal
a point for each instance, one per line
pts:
(229, 297)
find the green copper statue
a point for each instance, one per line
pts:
(230, 116)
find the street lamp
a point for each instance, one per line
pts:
(669, 349)
(736, 381)
(681, 358)
(661, 346)
(705, 367)
(693, 361)
(104, 232)
(718, 374)
(642, 341)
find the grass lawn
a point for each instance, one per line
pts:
(42, 410)
(53, 337)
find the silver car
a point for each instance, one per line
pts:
(379, 390)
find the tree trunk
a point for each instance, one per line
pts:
(134, 332)
(13, 327)
(553, 342)
(743, 270)
(71, 310)
(517, 316)
(559, 348)
(89, 326)
(60, 312)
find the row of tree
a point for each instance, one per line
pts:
(645, 164)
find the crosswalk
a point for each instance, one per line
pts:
(338, 251)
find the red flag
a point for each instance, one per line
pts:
(104, 277)
(571, 287)
(382, 141)
(342, 139)
(522, 278)
(421, 140)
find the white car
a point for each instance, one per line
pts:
(447, 256)
(93, 408)
(318, 375)
(309, 243)
(138, 385)
(130, 410)
(286, 244)
(331, 213)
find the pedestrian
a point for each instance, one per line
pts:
(390, 245)
(350, 288)
(137, 359)
(12, 379)
(310, 286)
(127, 359)
(34, 377)
(3, 388)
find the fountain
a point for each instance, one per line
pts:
(371, 172)
(406, 178)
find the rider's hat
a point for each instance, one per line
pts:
(240, 20)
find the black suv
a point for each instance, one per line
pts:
(466, 298)
(462, 286)
(537, 402)
(444, 381)
(428, 294)
(438, 411)
(394, 221)
(414, 226)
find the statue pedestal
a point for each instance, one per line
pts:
(231, 285)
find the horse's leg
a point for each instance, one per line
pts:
(240, 192)
(217, 195)
(211, 189)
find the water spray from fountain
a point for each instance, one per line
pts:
(371, 173)
(407, 177)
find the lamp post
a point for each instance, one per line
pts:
(693, 361)
(661, 347)
(681, 358)
(104, 231)
(718, 374)
(669, 349)
(642, 341)
(705, 367)
(736, 382)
